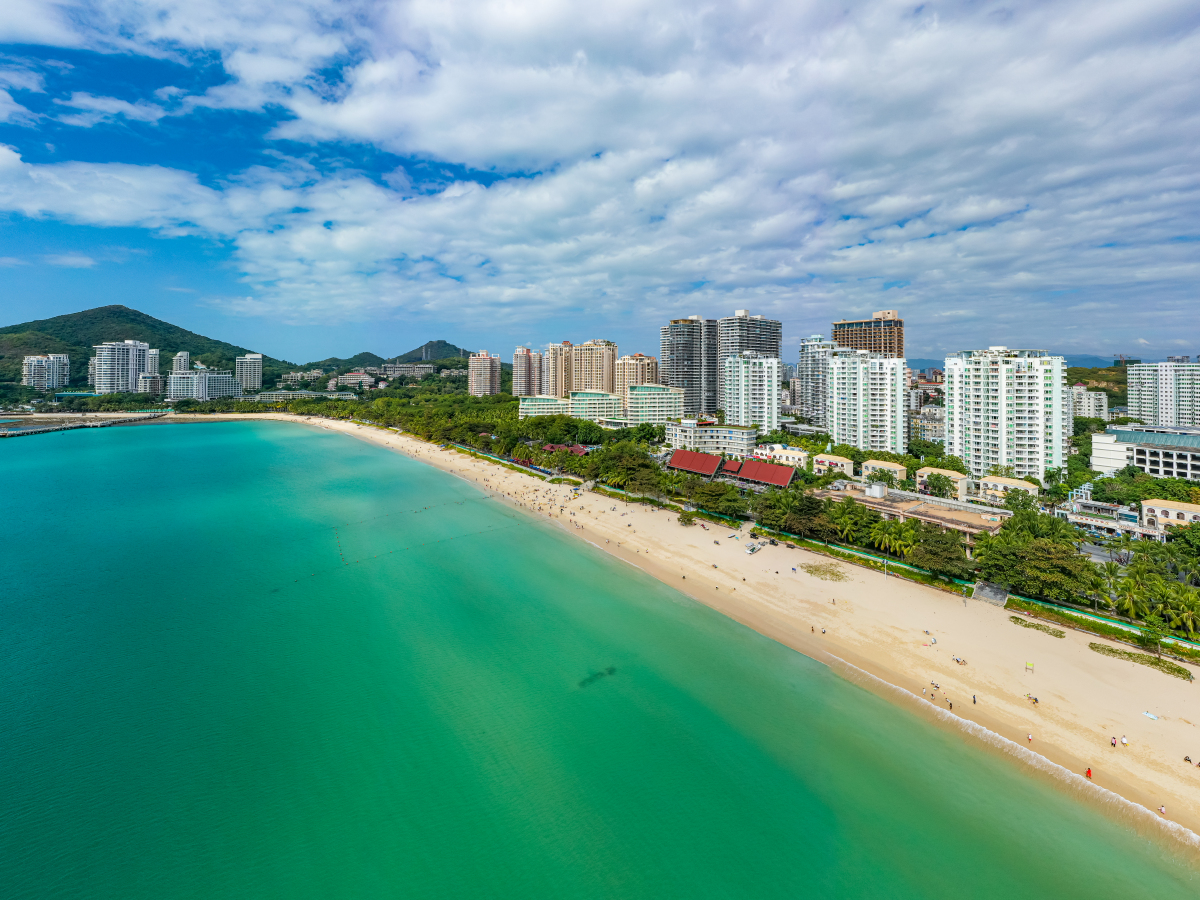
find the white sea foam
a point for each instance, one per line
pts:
(1126, 811)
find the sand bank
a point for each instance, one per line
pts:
(907, 636)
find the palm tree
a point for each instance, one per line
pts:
(1185, 613)
(619, 479)
(1131, 600)
(881, 535)
(906, 538)
(1123, 547)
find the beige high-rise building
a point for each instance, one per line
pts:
(631, 370)
(593, 366)
(483, 374)
(527, 372)
(883, 333)
(557, 365)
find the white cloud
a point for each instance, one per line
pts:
(12, 261)
(70, 260)
(1030, 170)
(100, 109)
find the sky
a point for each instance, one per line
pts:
(313, 178)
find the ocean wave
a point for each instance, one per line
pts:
(1124, 810)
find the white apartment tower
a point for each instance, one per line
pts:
(1008, 408)
(688, 360)
(182, 362)
(751, 390)
(865, 401)
(152, 361)
(527, 372)
(810, 387)
(248, 370)
(483, 374)
(46, 373)
(1089, 404)
(557, 370)
(1165, 394)
(634, 370)
(741, 333)
(202, 385)
(592, 366)
(118, 365)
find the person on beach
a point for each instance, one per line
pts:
(1124, 743)
(1029, 738)
(1089, 773)
(973, 700)
(1114, 740)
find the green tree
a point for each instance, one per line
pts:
(940, 552)
(939, 485)
(1153, 632)
(884, 476)
(1038, 567)
(1019, 501)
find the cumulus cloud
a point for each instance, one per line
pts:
(1032, 170)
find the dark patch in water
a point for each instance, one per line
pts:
(596, 676)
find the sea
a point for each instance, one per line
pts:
(263, 660)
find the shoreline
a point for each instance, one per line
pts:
(871, 650)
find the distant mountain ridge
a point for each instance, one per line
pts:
(76, 334)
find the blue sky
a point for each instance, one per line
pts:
(315, 178)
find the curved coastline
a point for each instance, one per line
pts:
(1122, 800)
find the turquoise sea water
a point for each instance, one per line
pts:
(253, 660)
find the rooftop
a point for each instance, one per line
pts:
(691, 461)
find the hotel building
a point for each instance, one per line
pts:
(527, 372)
(883, 333)
(46, 373)
(557, 370)
(751, 390)
(248, 370)
(483, 374)
(744, 333)
(1159, 451)
(1089, 404)
(688, 360)
(705, 436)
(865, 401)
(202, 384)
(1008, 408)
(632, 370)
(1165, 394)
(118, 365)
(182, 362)
(652, 404)
(593, 365)
(810, 387)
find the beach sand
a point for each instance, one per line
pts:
(872, 630)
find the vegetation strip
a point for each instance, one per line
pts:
(1145, 659)
(1037, 626)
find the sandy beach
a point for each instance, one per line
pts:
(899, 640)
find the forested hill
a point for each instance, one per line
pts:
(77, 333)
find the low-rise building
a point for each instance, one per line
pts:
(1160, 451)
(408, 370)
(898, 472)
(783, 454)
(996, 487)
(202, 385)
(824, 463)
(542, 405)
(962, 483)
(360, 380)
(707, 436)
(151, 383)
(927, 424)
(595, 406)
(652, 404)
(284, 396)
(1163, 515)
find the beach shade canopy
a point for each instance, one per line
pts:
(761, 472)
(698, 463)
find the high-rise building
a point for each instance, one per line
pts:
(742, 333)
(182, 362)
(631, 370)
(557, 370)
(1181, 359)
(883, 333)
(689, 360)
(865, 401)
(1089, 404)
(1166, 394)
(248, 370)
(483, 374)
(118, 365)
(46, 373)
(810, 387)
(202, 385)
(592, 366)
(1008, 408)
(527, 372)
(152, 361)
(751, 390)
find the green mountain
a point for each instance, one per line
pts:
(432, 350)
(353, 362)
(76, 334)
